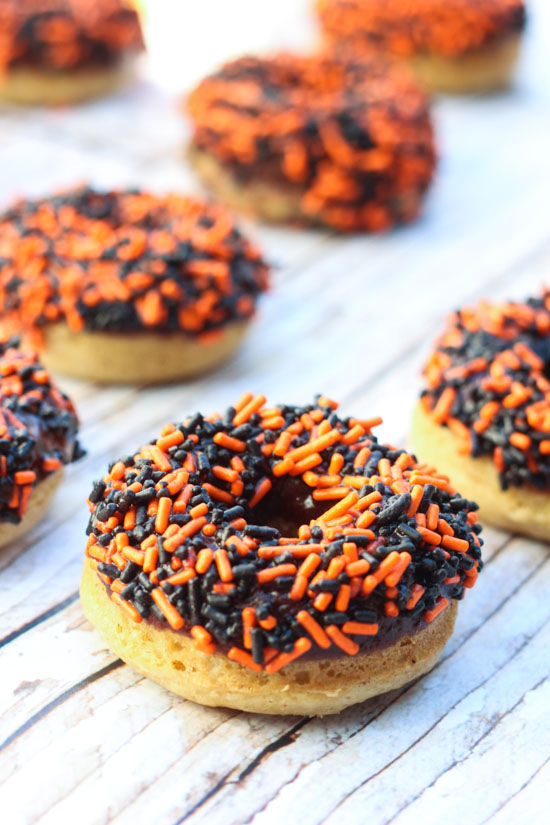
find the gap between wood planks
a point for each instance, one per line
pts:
(471, 745)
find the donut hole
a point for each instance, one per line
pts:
(287, 506)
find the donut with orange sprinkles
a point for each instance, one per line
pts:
(38, 427)
(485, 412)
(277, 559)
(454, 46)
(64, 51)
(312, 140)
(127, 286)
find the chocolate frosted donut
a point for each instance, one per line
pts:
(277, 559)
(38, 427)
(453, 45)
(315, 140)
(61, 51)
(485, 412)
(125, 285)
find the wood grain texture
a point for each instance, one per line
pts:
(85, 739)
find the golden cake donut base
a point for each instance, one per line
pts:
(136, 358)
(486, 70)
(274, 204)
(35, 87)
(264, 200)
(310, 688)
(39, 502)
(518, 509)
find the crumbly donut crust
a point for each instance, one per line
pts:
(312, 688)
(146, 358)
(488, 69)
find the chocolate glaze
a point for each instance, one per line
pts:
(219, 560)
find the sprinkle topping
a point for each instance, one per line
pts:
(38, 427)
(271, 533)
(125, 261)
(488, 381)
(61, 35)
(353, 141)
(447, 27)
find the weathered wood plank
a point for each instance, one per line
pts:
(511, 737)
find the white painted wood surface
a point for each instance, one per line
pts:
(86, 740)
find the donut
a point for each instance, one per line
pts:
(65, 51)
(312, 140)
(454, 46)
(127, 286)
(38, 427)
(485, 411)
(277, 559)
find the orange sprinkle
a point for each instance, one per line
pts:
(24, 477)
(248, 410)
(417, 591)
(181, 577)
(358, 568)
(301, 646)
(174, 619)
(163, 514)
(299, 588)
(314, 629)
(520, 440)
(229, 443)
(343, 598)
(127, 607)
(262, 489)
(315, 446)
(217, 494)
(440, 605)
(452, 543)
(342, 507)
(310, 563)
(322, 601)
(270, 573)
(183, 533)
(224, 565)
(204, 560)
(249, 621)
(429, 536)
(243, 658)
(360, 628)
(341, 640)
